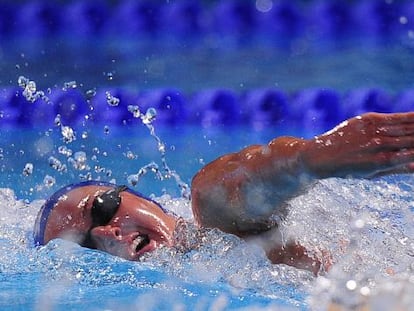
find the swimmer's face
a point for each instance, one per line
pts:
(137, 227)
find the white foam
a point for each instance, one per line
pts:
(366, 225)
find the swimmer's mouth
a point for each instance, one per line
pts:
(140, 242)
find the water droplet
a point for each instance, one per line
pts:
(161, 147)
(111, 100)
(130, 155)
(80, 160)
(365, 291)
(149, 116)
(28, 169)
(56, 164)
(403, 20)
(134, 110)
(58, 121)
(49, 181)
(106, 129)
(359, 223)
(90, 93)
(351, 284)
(65, 151)
(133, 179)
(69, 85)
(264, 5)
(68, 134)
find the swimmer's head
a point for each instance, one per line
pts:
(105, 217)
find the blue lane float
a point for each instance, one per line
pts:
(133, 18)
(276, 19)
(86, 18)
(213, 107)
(329, 19)
(110, 107)
(282, 19)
(169, 104)
(183, 18)
(376, 18)
(11, 106)
(314, 107)
(38, 19)
(265, 107)
(70, 105)
(404, 102)
(363, 100)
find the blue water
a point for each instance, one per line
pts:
(62, 276)
(367, 225)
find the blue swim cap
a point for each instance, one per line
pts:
(47, 207)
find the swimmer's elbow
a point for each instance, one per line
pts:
(208, 209)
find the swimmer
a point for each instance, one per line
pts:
(244, 193)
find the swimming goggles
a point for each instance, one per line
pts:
(104, 208)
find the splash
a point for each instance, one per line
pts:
(367, 227)
(165, 172)
(30, 91)
(87, 165)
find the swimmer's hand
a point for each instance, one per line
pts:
(366, 146)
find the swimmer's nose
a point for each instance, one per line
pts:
(107, 232)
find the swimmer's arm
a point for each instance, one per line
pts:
(243, 193)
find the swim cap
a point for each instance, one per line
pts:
(51, 202)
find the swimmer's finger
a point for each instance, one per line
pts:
(396, 158)
(398, 144)
(396, 130)
(394, 118)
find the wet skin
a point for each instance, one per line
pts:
(245, 193)
(138, 226)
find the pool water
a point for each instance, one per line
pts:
(365, 224)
